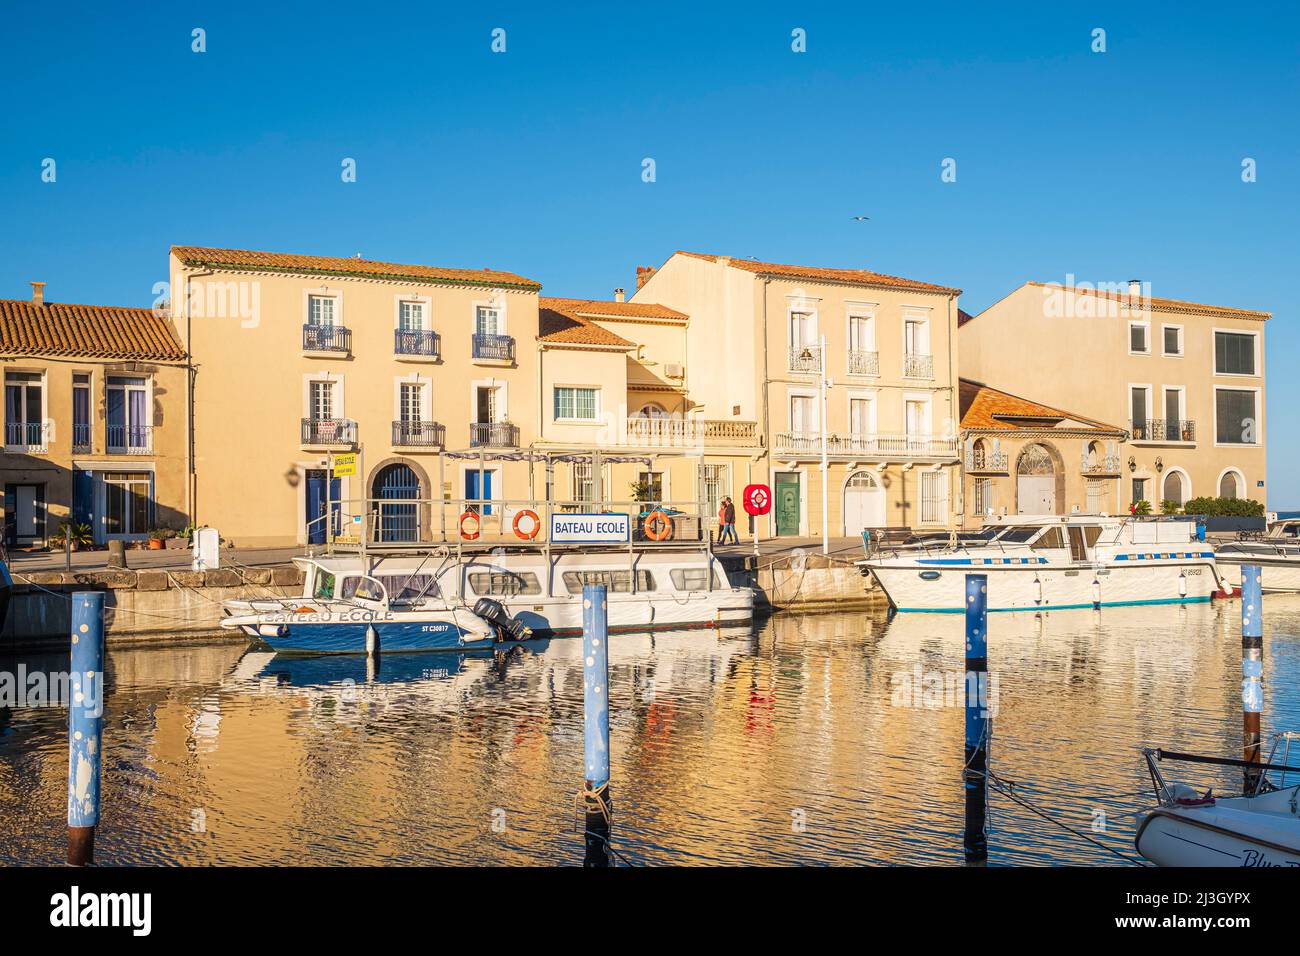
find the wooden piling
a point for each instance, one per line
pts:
(975, 769)
(597, 806)
(85, 724)
(1252, 670)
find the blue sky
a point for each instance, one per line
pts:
(1106, 166)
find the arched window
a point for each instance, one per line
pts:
(1229, 485)
(1173, 488)
(979, 455)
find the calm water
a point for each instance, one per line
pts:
(722, 745)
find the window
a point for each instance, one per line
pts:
(615, 581)
(714, 484)
(1173, 490)
(1234, 416)
(934, 497)
(365, 588)
(1234, 353)
(1173, 414)
(487, 320)
(916, 418)
(320, 310)
(128, 414)
(654, 484)
(1052, 538)
(916, 337)
(1137, 338)
(24, 410)
(81, 410)
(692, 579)
(410, 316)
(1139, 490)
(1173, 339)
(321, 401)
(128, 502)
(1138, 400)
(860, 416)
(802, 330)
(504, 583)
(411, 399)
(584, 486)
(1229, 487)
(575, 404)
(324, 585)
(410, 588)
(1019, 534)
(803, 414)
(862, 333)
(985, 496)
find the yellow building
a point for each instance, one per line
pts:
(94, 420)
(754, 354)
(1184, 379)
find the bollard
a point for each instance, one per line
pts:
(85, 724)
(1252, 670)
(116, 553)
(974, 774)
(595, 724)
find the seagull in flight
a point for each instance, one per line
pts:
(861, 218)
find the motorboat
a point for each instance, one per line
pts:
(1277, 553)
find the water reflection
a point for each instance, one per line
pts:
(816, 739)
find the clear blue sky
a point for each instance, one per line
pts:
(1108, 166)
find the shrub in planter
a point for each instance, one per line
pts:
(1142, 507)
(1169, 507)
(80, 535)
(1225, 507)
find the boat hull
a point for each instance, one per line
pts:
(729, 608)
(1213, 836)
(1276, 574)
(310, 634)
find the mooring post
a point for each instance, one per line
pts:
(595, 710)
(1252, 670)
(85, 724)
(974, 774)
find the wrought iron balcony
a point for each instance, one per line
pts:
(986, 462)
(493, 435)
(1100, 465)
(418, 435)
(805, 358)
(26, 437)
(809, 445)
(1163, 430)
(81, 436)
(130, 439)
(326, 338)
(916, 365)
(329, 431)
(421, 342)
(500, 348)
(864, 363)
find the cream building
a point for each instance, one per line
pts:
(1183, 379)
(753, 354)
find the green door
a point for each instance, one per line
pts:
(787, 503)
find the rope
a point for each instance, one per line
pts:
(115, 609)
(582, 800)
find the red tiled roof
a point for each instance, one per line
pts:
(243, 259)
(94, 331)
(599, 308)
(963, 317)
(1173, 305)
(561, 321)
(989, 408)
(850, 276)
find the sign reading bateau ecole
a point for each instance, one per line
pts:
(590, 529)
(345, 465)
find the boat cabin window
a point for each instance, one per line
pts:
(692, 579)
(1052, 538)
(362, 588)
(1020, 533)
(1291, 529)
(405, 588)
(324, 584)
(504, 583)
(617, 582)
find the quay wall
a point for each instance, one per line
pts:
(804, 582)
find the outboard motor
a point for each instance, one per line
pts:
(507, 628)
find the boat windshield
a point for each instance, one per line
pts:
(324, 587)
(1020, 534)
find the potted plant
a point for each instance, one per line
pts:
(156, 539)
(173, 541)
(1142, 507)
(76, 536)
(1170, 507)
(1188, 433)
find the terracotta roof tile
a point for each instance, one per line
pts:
(989, 408)
(561, 321)
(243, 259)
(1175, 305)
(599, 308)
(95, 331)
(851, 276)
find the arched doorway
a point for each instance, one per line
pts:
(864, 503)
(397, 488)
(1036, 479)
(1174, 488)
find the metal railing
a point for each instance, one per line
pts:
(916, 365)
(494, 347)
(805, 358)
(862, 362)
(129, 439)
(493, 435)
(1100, 464)
(26, 436)
(986, 461)
(417, 342)
(81, 436)
(328, 431)
(919, 446)
(326, 338)
(1163, 429)
(419, 434)
(674, 432)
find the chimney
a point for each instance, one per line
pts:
(618, 295)
(643, 275)
(38, 294)
(1135, 288)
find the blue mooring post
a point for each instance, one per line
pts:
(595, 723)
(1252, 670)
(975, 841)
(85, 724)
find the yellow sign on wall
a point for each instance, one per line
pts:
(345, 465)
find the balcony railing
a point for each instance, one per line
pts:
(494, 347)
(807, 444)
(81, 436)
(916, 365)
(418, 435)
(26, 436)
(130, 439)
(326, 338)
(1162, 429)
(805, 358)
(986, 462)
(493, 435)
(864, 363)
(417, 342)
(328, 431)
(673, 432)
(1100, 464)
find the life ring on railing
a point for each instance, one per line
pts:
(536, 524)
(467, 520)
(657, 526)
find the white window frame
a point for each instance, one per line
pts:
(926, 398)
(1241, 480)
(1146, 328)
(1182, 342)
(1187, 483)
(497, 303)
(1182, 404)
(1214, 354)
(596, 418)
(337, 399)
(324, 292)
(1259, 417)
(502, 399)
(426, 310)
(920, 316)
(865, 311)
(945, 500)
(425, 385)
(1128, 398)
(46, 426)
(811, 395)
(871, 396)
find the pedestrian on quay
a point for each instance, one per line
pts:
(727, 519)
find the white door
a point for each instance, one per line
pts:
(1035, 494)
(27, 518)
(864, 504)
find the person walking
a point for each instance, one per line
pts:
(729, 521)
(722, 520)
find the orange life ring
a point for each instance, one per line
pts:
(467, 518)
(537, 524)
(657, 526)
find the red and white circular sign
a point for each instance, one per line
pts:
(757, 499)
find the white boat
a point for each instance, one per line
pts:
(1277, 554)
(1261, 829)
(1053, 562)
